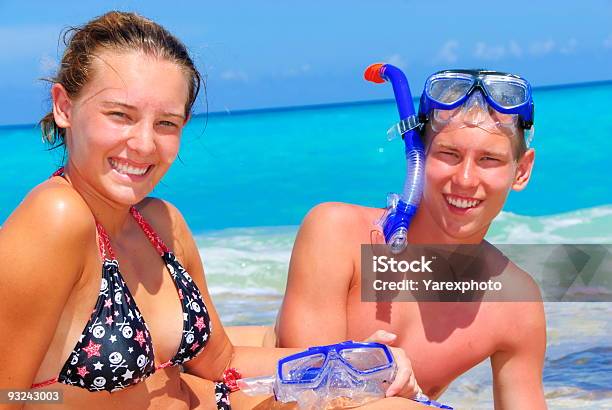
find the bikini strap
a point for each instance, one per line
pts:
(106, 251)
(104, 245)
(59, 172)
(44, 384)
(154, 238)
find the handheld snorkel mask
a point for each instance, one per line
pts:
(342, 375)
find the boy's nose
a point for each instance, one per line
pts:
(466, 174)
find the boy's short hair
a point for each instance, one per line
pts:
(519, 145)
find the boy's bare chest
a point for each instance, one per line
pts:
(442, 340)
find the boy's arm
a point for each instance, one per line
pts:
(320, 274)
(517, 368)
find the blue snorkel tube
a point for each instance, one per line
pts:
(401, 208)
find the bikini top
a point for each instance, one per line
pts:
(115, 349)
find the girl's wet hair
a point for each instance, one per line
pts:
(115, 31)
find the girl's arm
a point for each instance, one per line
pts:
(41, 261)
(219, 353)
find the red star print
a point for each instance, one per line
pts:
(180, 294)
(140, 337)
(92, 349)
(194, 346)
(108, 303)
(200, 323)
(82, 371)
(109, 320)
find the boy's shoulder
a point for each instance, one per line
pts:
(344, 214)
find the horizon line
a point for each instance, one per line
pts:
(248, 111)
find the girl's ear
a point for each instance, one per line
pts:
(62, 105)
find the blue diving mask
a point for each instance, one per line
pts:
(506, 93)
(346, 374)
(349, 372)
(491, 100)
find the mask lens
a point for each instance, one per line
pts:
(444, 116)
(365, 359)
(506, 93)
(303, 369)
(448, 90)
(506, 120)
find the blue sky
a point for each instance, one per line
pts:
(259, 54)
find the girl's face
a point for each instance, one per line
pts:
(123, 129)
(468, 175)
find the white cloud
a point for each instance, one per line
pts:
(48, 65)
(514, 49)
(539, 48)
(448, 52)
(489, 52)
(396, 60)
(234, 75)
(569, 47)
(607, 43)
(294, 72)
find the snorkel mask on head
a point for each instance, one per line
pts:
(490, 100)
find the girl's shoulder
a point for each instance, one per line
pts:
(61, 207)
(53, 217)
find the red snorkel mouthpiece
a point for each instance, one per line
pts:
(374, 73)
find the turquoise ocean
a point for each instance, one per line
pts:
(245, 180)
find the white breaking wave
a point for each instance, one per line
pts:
(256, 259)
(593, 225)
(248, 266)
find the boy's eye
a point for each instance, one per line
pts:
(167, 124)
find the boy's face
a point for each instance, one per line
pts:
(468, 174)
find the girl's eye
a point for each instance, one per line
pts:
(489, 159)
(118, 114)
(448, 153)
(167, 124)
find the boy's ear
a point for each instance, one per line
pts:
(523, 171)
(62, 106)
